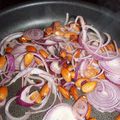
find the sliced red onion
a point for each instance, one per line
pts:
(44, 102)
(43, 74)
(57, 39)
(45, 44)
(51, 82)
(67, 19)
(60, 112)
(112, 66)
(108, 39)
(102, 56)
(5, 80)
(22, 65)
(24, 96)
(21, 48)
(93, 39)
(77, 72)
(50, 42)
(24, 104)
(7, 39)
(53, 59)
(19, 75)
(34, 34)
(114, 78)
(18, 50)
(43, 60)
(33, 78)
(11, 63)
(54, 66)
(2, 103)
(24, 99)
(40, 109)
(60, 97)
(18, 61)
(118, 108)
(84, 40)
(9, 116)
(51, 49)
(68, 85)
(95, 52)
(83, 67)
(9, 69)
(80, 108)
(81, 20)
(80, 41)
(105, 97)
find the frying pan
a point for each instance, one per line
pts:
(41, 14)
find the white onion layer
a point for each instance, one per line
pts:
(60, 112)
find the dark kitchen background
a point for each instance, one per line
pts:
(113, 5)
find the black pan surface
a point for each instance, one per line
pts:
(40, 14)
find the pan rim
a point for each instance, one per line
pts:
(88, 5)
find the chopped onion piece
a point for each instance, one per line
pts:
(55, 67)
(24, 99)
(112, 66)
(60, 112)
(114, 78)
(2, 103)
(80, 108)
(34, 34)
(105, 97)
(7, 39)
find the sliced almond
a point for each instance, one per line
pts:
(74, 92)
(36, 96)
(89, 86)
(69, 57)
(28, 59)
(48, 31)
(44, 90)
(102, 77)
(8, 49)
(68, 34)
(23, 39)
(63, 53)
(3, 93)
(38, 61)
(66, 74)
(2, 62)
(80, 82)
(88, 114)
(59, 33)
(118, 117)
(31, 48)
(77, 53)
(43, 53)
(65, 93)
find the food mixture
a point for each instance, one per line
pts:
(70, 61)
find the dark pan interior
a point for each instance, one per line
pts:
(40, 14)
